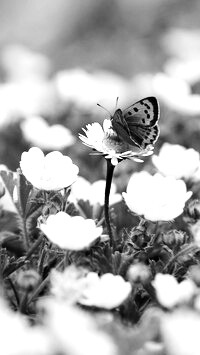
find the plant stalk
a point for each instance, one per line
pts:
(109, 176)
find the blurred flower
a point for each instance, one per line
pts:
(25, 99)
(18, 337)
(157, 198)
(37, 131)
(86, 89)
(51, 172)
(74, 331)
(180, 332)
(68, 284)
(106, 142)
(73, 233)
(172, 91)
(26, 65)
(176, 160)
(82, 189)
(107, 291)
(171, 293)
(184, 69)
(139, 272)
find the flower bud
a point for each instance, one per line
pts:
(28, 279)
(174, 238)
(192, 211)
(139, 273)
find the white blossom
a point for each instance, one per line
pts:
(73, 233)
(37, 131)
(106, 142)
(156, 198)
(170, 293)
(176, 160)
(107, 291)
(51, 172)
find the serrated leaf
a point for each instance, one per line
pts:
(24, 188)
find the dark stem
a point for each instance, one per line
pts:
(109, 175)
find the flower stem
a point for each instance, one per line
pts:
(109, 175)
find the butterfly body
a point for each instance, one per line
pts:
(138, 124)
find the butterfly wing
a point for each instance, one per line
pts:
(143, 113)
(137, 124)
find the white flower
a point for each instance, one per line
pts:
(37, 131)
(170, 293)
(86, 89)
(73, 233)
(93, 192)
(51, 172)
(74, 331)
(177, 161)
(26, 339)
(105, 141)
(180, 332)
(186, 69)
(107, 291)
(157, 198)
(68, 284)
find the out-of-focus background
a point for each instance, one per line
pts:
(59, 58)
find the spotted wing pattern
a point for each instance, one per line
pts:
(137, 124)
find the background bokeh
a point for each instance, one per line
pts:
(58, 59)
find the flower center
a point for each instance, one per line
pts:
(112, 141)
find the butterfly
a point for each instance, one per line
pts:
(138, 124)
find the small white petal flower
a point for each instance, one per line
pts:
(72, 233)
(170, 293)
(36, 131)
(94, 193)
(106, 142)
(74, 331)
(51, 172)
(157, 198)
(175, 160)
(107, 291)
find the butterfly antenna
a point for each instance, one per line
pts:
(104, 109)
(117, 99)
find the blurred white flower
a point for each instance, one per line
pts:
(180, 332)
(21, 64)
(176, 160)
(68, 284)
(37, 131)
(73, 233)
(107, 291)
(106, 142)
(82, 189)
(184, 69)
(25, 338)
(171, 293)
(173, 91)
(156, 198)
(74, 332)
(86, 89)
(54, 171)
(25, 99)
